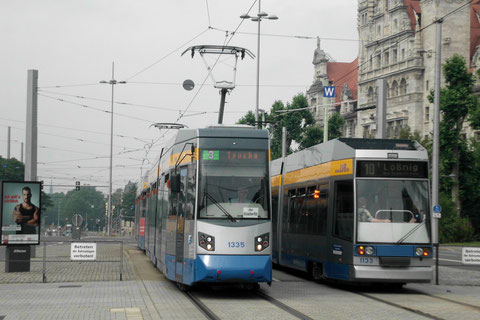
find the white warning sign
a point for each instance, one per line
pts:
(471, 255)
(83, 251)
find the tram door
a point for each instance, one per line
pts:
(180, 230)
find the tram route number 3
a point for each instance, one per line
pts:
(232, 244)
(366, 260)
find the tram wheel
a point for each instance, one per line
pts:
(183, 287)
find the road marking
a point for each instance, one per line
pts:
(275, 280)
(459, 261)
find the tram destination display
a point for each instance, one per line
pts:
(229, 157)
(20, 212)
(392, 169)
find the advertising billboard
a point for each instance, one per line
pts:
(20, 212)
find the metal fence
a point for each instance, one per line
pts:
(51, 262)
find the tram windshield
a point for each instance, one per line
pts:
(233, 184)
(392, 211)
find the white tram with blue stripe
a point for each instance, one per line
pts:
(207, 207)
(354, 209)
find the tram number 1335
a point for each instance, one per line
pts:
(232, 244)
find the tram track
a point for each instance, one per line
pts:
(210, 314)
(206, 311)
(416, 310)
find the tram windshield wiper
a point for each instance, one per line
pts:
(224, 211)
(405, 237)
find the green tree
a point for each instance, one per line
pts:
(11, 169)
(87, 202)
(295, 123)
(51, 214)
(249, 119)
(128, 201)
(14, 170)
(335, 126)
(311, 136)
(457, 104)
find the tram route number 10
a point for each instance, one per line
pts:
(232, 244)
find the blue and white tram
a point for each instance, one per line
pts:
(207, 202)
(356, 210)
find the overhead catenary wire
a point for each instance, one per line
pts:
(167, 55)
(81, 130)
(97, 109)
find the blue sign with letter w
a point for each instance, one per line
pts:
(329, 92)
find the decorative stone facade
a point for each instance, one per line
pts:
(397, 42)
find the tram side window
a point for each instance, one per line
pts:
(343, 211)
(274, 209)
(289, 211)
(315, 211)
(190, 197)
(300, 222)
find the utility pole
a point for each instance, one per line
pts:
(381, 132)
(112, 82)
(9, 141)
(436, 141)
(31, 129)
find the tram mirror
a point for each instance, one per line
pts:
(175, 182)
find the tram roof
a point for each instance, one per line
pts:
(221, 131)
(344, 148)
(379, 144)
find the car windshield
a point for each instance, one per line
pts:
(392, 211)
(235, 189)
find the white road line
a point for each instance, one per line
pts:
(276, 280)
(459, 261)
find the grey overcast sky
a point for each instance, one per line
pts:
(72, 44)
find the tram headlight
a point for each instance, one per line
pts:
(369, 251)
(206, 241)
(262, 242)
(419, 252)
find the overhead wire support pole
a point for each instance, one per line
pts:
(436, 141)
(112, 82)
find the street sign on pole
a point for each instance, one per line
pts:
(77, 220)
(437, 211)
(329, 92)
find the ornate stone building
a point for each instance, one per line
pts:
(397, 43)
(344, 77)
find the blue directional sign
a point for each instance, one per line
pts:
(329, 92)
(437, 208)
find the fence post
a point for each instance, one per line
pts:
(121, 259)
(44, 275)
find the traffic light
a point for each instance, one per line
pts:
(41, 184)
(77, 185)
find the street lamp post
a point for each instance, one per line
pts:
(260, 15)
(112, 82)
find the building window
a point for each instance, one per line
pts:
(403, 87)
(426, 85)
(394, 88)
(427, 113)
(395, 25)
(386, 58)
(370, 95)
(403, 54)
(394, 58)
(378, 61)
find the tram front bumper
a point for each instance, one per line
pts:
(233, 268)
(382, 274)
